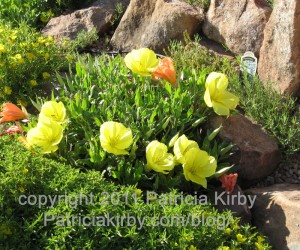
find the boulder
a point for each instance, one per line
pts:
(99, 16)
(257, 154)
(238, 24)
(280, 53)
(275, 213)
(153, 23)
(237, 202)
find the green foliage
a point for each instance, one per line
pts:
(83, 40)
(199, 3)
(119, 11)
(24, 56)
(102, 90)
(35, 12)
(275, 112)
(24, 226)
(271, 2)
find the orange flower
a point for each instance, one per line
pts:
(165, 70)
(228, 181)
(11, 112)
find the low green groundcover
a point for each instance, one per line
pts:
(79, 221)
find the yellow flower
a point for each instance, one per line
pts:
(21, 189)
(47, 56)
(7, 90)
(181, 146)
(18, 58)
(227, 230)
(2, 49)
(25, 171)
(138, 192)
(41, 40)
(30, 56)
(259, 246)
(142, 61)
(240, 238)
(259, 242)
(158, 158)
(115, 138)
(216, 95)
(192, 247)
(198, 165)
(46, 75)
(47, 135)
(54, 111)
(33, 83)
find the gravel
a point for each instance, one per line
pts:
(287, 172)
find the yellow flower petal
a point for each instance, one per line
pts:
(216, 95)
(198, 165)
(46, 135)
(181, 146)
(115, 138)
(158, 158)
(142, 61)
(54, 111)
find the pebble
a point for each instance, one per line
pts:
(288, 172)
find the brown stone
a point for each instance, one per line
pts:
(98, 17)
(258, 154)
(154, 23)
(280, 53)
(238, 24)
(275, 213)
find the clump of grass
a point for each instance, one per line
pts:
(275, 112)
(199, 3)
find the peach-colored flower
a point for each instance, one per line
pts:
(11, 130)
(228, 181)
(165, 70)
(11, 112)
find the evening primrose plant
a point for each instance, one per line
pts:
(121, 121)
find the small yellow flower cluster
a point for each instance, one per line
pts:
(23, 52)
(49, 130)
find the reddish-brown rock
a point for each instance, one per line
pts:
(258, 154)
(280, 53)
(275, 213)
(238, 24)
(98, 17)
(154, 23)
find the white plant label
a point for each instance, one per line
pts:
(249, 63)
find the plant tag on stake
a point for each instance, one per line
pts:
(249, 63)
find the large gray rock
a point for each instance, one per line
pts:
(275, 213)
(238, 24)
(280, 53)
(99, 16)
(258, 154)
(153, 23)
